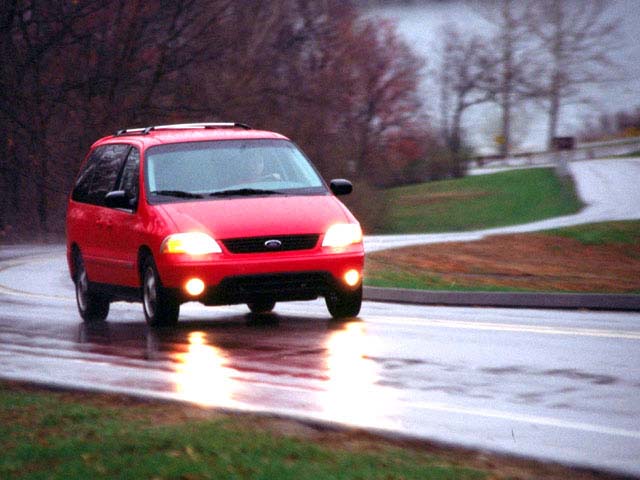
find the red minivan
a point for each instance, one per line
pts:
(212, 212)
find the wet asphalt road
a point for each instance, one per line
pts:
(556, 385)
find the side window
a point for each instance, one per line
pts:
(83, 183)
(106, 172)
(130, 175)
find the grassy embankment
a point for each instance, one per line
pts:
(50, 435)
(66, 435)
(630, 155)
(595, 258)
(478, 202)
(591, 258)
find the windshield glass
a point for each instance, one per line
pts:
(228, 168)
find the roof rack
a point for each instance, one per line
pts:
(179, 126)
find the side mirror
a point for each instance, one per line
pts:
(340, 186)
(118, 199)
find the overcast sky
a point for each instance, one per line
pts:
(420, 24)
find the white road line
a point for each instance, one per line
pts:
(19, 293)
(531, 419)
(4, 266)
(431, 406)
(505, 327)
(381, 319)
(425, 322)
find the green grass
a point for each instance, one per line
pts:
(400, 278)
(629, 155)
(46, 435)
(391, 270)
(478, 202)
(624, 232)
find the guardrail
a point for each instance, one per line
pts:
(635, 141)
(583, 151)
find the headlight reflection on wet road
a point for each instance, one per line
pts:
(202, 375)
(353, 391)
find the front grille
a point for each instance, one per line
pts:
(274, 287)
(259, 244)
(278, 282)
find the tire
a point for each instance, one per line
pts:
(161, 308)
(264, 306)
(92, 306)
(344, 304)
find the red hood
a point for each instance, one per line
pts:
(257, 217)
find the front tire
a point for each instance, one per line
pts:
(92, 306)
(161, 308)
(344, 304)
(261, 307)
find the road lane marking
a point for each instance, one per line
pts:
(19, 293)
(506, 327)
(425, 322)
(408, 321)
(431, 406)
(8, 265)
(522, 418)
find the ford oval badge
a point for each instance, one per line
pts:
(273, 244)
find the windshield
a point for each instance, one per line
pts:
(228, 168)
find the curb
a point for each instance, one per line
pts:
(592, 301)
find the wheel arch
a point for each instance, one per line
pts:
(74, 252)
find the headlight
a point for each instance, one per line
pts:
(194, 243)
(342, 234)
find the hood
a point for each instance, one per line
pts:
(258, 216)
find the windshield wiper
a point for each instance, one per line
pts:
(177, 193)
(245, 192)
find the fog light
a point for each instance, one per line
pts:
(352, 278)
(194, 287)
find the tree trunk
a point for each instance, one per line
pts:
(505, 147)
(554, 115)
(507, 76)
(37, 139)
(556, 79)
(455, 143)
(4, 186)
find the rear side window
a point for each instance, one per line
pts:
(100, 174)
(131, 174)
(83, 183)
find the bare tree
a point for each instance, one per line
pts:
(465, 72)
(518, 65)
(73, 71)
(83, 68)
(384, 98)
(578, 43)
(32, 37)
(605, 126)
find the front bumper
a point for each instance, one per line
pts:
(276, 287)
(231, 279)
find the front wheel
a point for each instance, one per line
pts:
(261, 307)
(92, 306)
(161, 308)
(344, 304)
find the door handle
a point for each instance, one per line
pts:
(104, 224)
